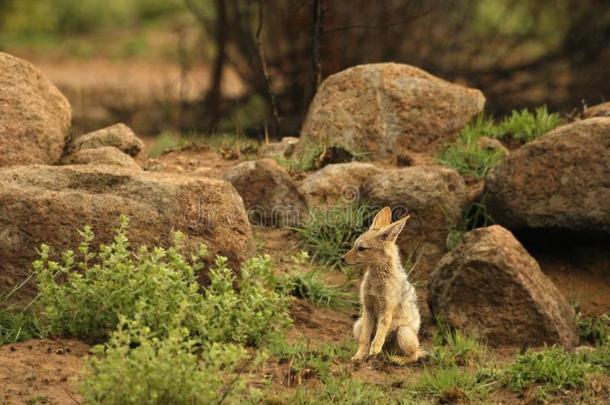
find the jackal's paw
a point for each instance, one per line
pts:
(374, 351)
(358, 357)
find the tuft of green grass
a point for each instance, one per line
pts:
(166, 142)
(315, 155)
(595, 330)
(310, 285)
(303, 361)
(305, 161)
(17, 326)
(475, 216)
(553, 371)
(525, 126)
(306, 361)
(452, 348)
(330, 232)
(343, 390)
(466, 155)
(599, 357)
(230, 144)
(450, 384)
(456, 372)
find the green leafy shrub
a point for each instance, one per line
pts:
(525, 126)
(137, 367)
(553, 370)
(330, 233)
(99, 286)
(253, 314)
(466, 155)
(82, 296)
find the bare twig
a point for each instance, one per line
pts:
(261, 53)
(212, 101)
(376, 27)
(316, 32)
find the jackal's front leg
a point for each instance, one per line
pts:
(364, 337)
(383, 326)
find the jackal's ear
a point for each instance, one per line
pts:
(383, 218)
(390, 233)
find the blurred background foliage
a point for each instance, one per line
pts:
(520, 53)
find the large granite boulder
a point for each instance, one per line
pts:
(490, 287)
(434, 196)
(50, 204)
(338, 183)
(35, 117)
(388, 109)
(270, 195)
(560, 180)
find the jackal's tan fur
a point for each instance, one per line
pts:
(389, 303)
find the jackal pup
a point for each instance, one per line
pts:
(389, 303)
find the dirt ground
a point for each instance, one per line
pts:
(41, 372)
(47, 371)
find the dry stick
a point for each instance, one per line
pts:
(261, 53)
(316, 32)
(213, 97)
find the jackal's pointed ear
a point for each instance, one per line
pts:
(382, 219)
(390, 233)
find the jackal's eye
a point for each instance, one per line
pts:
(361, 248)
